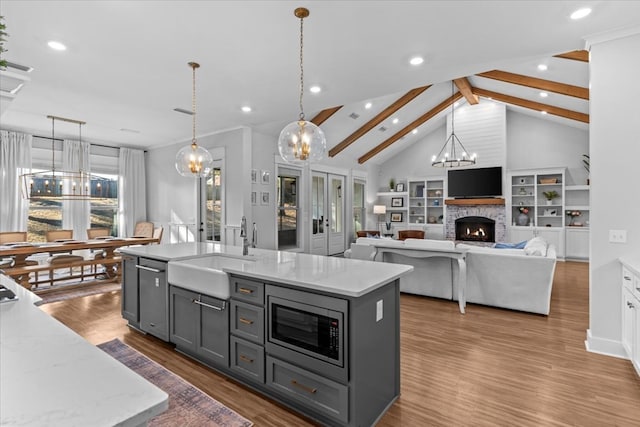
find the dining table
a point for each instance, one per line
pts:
(21, 251)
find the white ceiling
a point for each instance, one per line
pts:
(126, 62)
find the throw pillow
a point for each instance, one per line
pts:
(536, 246)
(502, 245)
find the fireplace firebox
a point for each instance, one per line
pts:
(475, 229)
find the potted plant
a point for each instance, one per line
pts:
(392, 184)
(3, 35)
(550, 195)
(586, 162)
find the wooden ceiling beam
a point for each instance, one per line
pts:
(576, 55)
(408, 128)
(550, 109)
(401, 102)
(533, 82)
(465, 89)
(323, 115)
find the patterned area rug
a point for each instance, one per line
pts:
(62, 294)
(188, 405)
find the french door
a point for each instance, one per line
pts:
(327, 213)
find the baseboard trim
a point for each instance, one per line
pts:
(604, 346)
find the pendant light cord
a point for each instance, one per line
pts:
(53, 148)
(301, 69)
(452, 110)
(193, 105)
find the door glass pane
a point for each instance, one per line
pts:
(287, 212)
(317, 204)
(336, 206)
(214, 205)
(358, 206)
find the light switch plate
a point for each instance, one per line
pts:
(618, 236)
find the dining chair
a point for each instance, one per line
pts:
(92, 233)
(410, 234)
(143, 229)
(157, 234)
(60, 258)
(53, 235)
(12, 237)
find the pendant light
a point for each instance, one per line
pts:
(194, 160)
(453, 154)
(302, 142)
(58, 184)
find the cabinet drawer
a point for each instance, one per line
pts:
(247, 321)
(247, 290)
(319, 394)
(627, 278)
(247, 359)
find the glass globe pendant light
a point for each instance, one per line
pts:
(194, 160)
(302, 142)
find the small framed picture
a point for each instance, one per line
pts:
(254, 198)
(254, 176)
(265, 175)
(264, 199)
(399, 187)
(397, 202)
(396, 217)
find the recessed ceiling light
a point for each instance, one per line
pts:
(416, 60)
(455, 104)
(56, 45)
(543, 112)
(581, 13)
(543, 94)
(414, 131)
(315, 89)
(395, 121)
(246, 109)
(367, 105)
(542, 67)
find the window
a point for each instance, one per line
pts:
(287, 209)
(358, 205)
(44, 213)
(104, 208)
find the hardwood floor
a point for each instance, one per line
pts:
(488, 367)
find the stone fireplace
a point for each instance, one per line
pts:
(475, 229)
(489, 210)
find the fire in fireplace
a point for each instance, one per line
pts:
(475, 229)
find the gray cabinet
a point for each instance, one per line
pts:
(199, 325)
(154, 293)
(247, 321)
(130, 289)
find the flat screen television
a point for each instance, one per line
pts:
(474, 183)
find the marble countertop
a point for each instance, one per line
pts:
(339, 276)
(50, 376)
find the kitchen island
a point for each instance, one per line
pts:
(50, 376)
(318, 334)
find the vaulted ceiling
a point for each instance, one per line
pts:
(125, 69)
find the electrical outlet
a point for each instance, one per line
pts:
(618, 236)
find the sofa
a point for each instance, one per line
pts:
(516, 279)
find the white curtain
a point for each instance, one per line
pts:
(132, 190)
(76, 213)
(15, 159)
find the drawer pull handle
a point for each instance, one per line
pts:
(245, 358)
(627, 278)
(245, 291)
(246, 321)
(153, 270)
(195, 301)
(304, 387)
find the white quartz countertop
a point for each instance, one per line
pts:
(340, 276)
(632, 262)
(178, 251)
(50, 376)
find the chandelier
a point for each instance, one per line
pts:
(194, 160)
(453, 154)
(301, 141)
(61, 184)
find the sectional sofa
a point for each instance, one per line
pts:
(516, 279)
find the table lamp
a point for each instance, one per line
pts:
(379, 210)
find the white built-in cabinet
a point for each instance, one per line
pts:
(630, 311)
(549, 219)
(420, 207)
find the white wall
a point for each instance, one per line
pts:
(615, 150)
(534, 143)
(263, 155)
